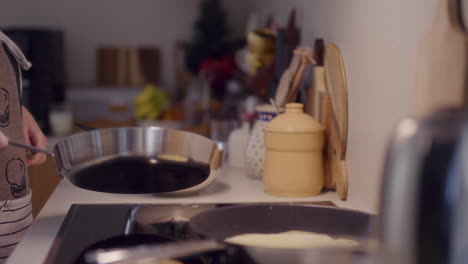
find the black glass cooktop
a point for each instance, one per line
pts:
(103, 226)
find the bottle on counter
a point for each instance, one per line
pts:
(197, 102)
(233, 100)
(237, 145)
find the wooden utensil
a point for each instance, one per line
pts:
(336, 162)
(283, 87)
(442, 61)
(318, 87)
(336, 85)
(324, 117)
(319, 51)
(286, 80)
(329, 106)
(334, 166)
(312, 107)
(293, 34)
(293, 90)
(306, 58)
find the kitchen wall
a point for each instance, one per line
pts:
(378, 39)
(89, 23)
(379, 42)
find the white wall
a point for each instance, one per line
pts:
(88, 23)
(378, 41)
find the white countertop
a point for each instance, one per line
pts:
(232, 186)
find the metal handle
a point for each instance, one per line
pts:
(32, 148)
(153, 252)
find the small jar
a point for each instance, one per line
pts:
(294, 159)
(255, 152)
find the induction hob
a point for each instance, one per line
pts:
(93, 226)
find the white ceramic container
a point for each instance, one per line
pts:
(294, 154)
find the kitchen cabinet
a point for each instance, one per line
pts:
(43, 180)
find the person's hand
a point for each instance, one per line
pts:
(33, 136)
(3, 141)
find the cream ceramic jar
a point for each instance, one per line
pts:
(294, 157)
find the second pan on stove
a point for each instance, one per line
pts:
(218, 224)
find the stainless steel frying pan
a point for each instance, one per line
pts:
(138, 160)
(218, 224)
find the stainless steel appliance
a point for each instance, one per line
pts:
(45, 83)
(424, 210)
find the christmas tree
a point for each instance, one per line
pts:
(211, 36)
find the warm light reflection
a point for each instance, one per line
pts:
(105, 257)
(406, 128)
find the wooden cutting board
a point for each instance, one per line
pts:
(336, 86)
(330, 107)
(441, 62)
(335, 173)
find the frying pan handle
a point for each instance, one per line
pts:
(218, 156)
(83, 126)
(153, 252)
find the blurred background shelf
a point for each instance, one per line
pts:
(43, 180)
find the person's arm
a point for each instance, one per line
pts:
(3, 141)
(33, 136)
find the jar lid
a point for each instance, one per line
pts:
(294, 120)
